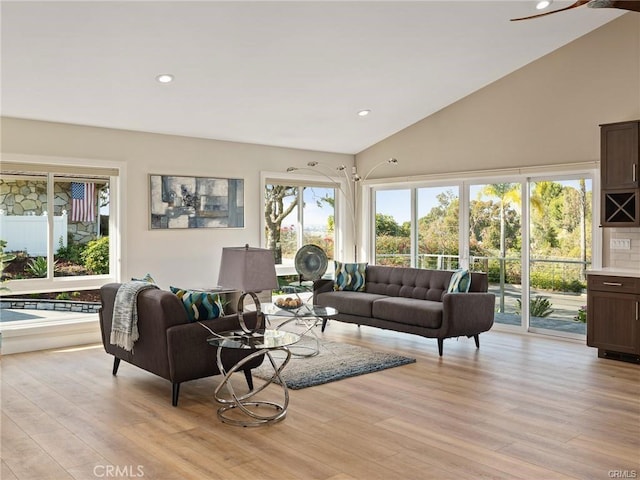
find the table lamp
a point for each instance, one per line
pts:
(249, 270)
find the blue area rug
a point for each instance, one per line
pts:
(334, 362)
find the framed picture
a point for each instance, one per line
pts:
(196, 202)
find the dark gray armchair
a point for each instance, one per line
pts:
(169, 345)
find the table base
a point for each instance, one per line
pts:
(243, 402)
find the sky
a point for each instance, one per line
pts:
(396, 203)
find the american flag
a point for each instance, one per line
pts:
(82, 202)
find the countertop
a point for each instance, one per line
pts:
(616, 272)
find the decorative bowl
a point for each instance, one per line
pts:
(288, 303)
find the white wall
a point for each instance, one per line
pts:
(189, 257)
(546, 113)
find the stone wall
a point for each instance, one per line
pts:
(57, 305)
(29, 197)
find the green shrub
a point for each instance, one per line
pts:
(63, 296)
(71, 253)
(38, 267)
(95, 256)
(582, 315)
(538, 307)
(4, 259)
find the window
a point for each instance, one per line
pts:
(296, 215)
(55, 223)
(393, 227)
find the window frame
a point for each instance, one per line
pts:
(55, 168)
(343, 238)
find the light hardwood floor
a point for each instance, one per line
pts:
(521, 407)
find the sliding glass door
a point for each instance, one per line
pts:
(532, 236)
(437, 228)
(495, 247)
(393, 227)
(559, 253)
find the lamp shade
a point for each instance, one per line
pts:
(248, 269)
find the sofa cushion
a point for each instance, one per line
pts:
(199, 305)
(409, 311)
(460, 281)
(407, 282)
(350, 276)
(351, 303)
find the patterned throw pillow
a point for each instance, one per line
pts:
(460, 281)
(147, 278)
(199, 305)
(349, 276)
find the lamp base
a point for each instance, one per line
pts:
(259, 315)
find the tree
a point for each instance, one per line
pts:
(387, 225)
(275, 212)
(438, 229)
(507, 193)
(584, 205)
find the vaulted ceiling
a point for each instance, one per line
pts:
(292, 74)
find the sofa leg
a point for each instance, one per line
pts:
(174, 394)
(116, 364)
(476, 337)
(247, 375)
(324, 324)
(440, 345)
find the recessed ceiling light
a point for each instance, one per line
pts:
(164, 78)
(542, 4)
(364, 113)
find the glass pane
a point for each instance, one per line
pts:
(495, 244)
(560, 253)
(393, 227)
(438, 224)
(24, 225)
(281, 220)
(81, 227)
(318, 216)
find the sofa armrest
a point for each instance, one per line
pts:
(467, 313)
(322, 286)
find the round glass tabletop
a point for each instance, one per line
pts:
(302, 311)
(267, 339)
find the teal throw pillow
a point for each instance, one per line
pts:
(350, 276)
(199, 305)
(460, 281)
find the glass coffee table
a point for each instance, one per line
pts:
(260, 343)
(308, 316)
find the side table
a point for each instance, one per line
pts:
(262, 343)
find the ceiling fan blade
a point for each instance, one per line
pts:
(579, 3)
(631, 5)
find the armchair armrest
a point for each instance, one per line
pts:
(467, 313)
(191, 357)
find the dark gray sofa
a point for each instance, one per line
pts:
(169, 345)
(413, 300)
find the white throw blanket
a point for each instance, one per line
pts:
(124, 324)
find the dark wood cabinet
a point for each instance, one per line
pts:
(613, 316)
(620, 174)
